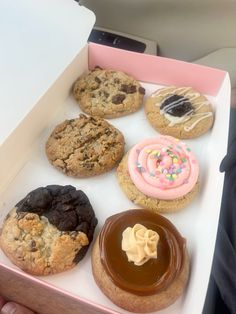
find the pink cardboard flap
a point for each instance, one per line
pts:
(158, 70)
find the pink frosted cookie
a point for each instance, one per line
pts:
(160, 174)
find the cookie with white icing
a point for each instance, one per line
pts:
(180, 112)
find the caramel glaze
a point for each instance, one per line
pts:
(155, 275)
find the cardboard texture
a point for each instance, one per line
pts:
(40, 298)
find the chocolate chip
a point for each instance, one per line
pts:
(108, 132)
(21, 215)
(116, 80)
(141, 90)
(118, 99)
(79, 256)
(128, 89)
(97, 79)
(73, 235)
(88, 166)
(97, 67)
(177, 106)
(32, 244)
(105, 94)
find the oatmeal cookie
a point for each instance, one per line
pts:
(85, 146)
(108, 93)
(49, 231)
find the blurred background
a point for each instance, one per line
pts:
(201, 31)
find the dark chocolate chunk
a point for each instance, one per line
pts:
(21, 215)
(116, 80)
(177, 106)
(97, 79)
(66, 221)
(65, 207)
(141, 90)
(97, 67)
(33, 245)
(36, 202)
(118, 99)
(89, 233)
(128, 89)
(79, 256)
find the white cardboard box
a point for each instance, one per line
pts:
(42, 99)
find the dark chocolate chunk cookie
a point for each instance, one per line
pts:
(85, 146)
(50, 230)
(108, 93)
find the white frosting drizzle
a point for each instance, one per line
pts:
(203, 115)
(191, 97)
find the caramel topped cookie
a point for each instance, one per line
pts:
(85, 146)
(108, 93)
(50, 230)
(180, 112)
(140, 261)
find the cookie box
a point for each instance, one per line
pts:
(24, 166)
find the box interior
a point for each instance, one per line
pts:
(198, 222)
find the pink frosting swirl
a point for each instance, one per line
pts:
(163, 167)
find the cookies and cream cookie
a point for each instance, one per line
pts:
(108, 93)
(85, 146)
(140, 261)
(160, 174)
(180, 112)
(49, 231)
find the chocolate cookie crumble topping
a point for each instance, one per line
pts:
(177, 106)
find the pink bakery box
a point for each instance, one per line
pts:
(37, 96)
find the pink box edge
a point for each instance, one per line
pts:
(157, 70)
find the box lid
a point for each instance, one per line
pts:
(38, 41)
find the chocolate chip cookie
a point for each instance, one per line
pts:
(49, 231)
(180, 112)
(85, 146)
(108, 93)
